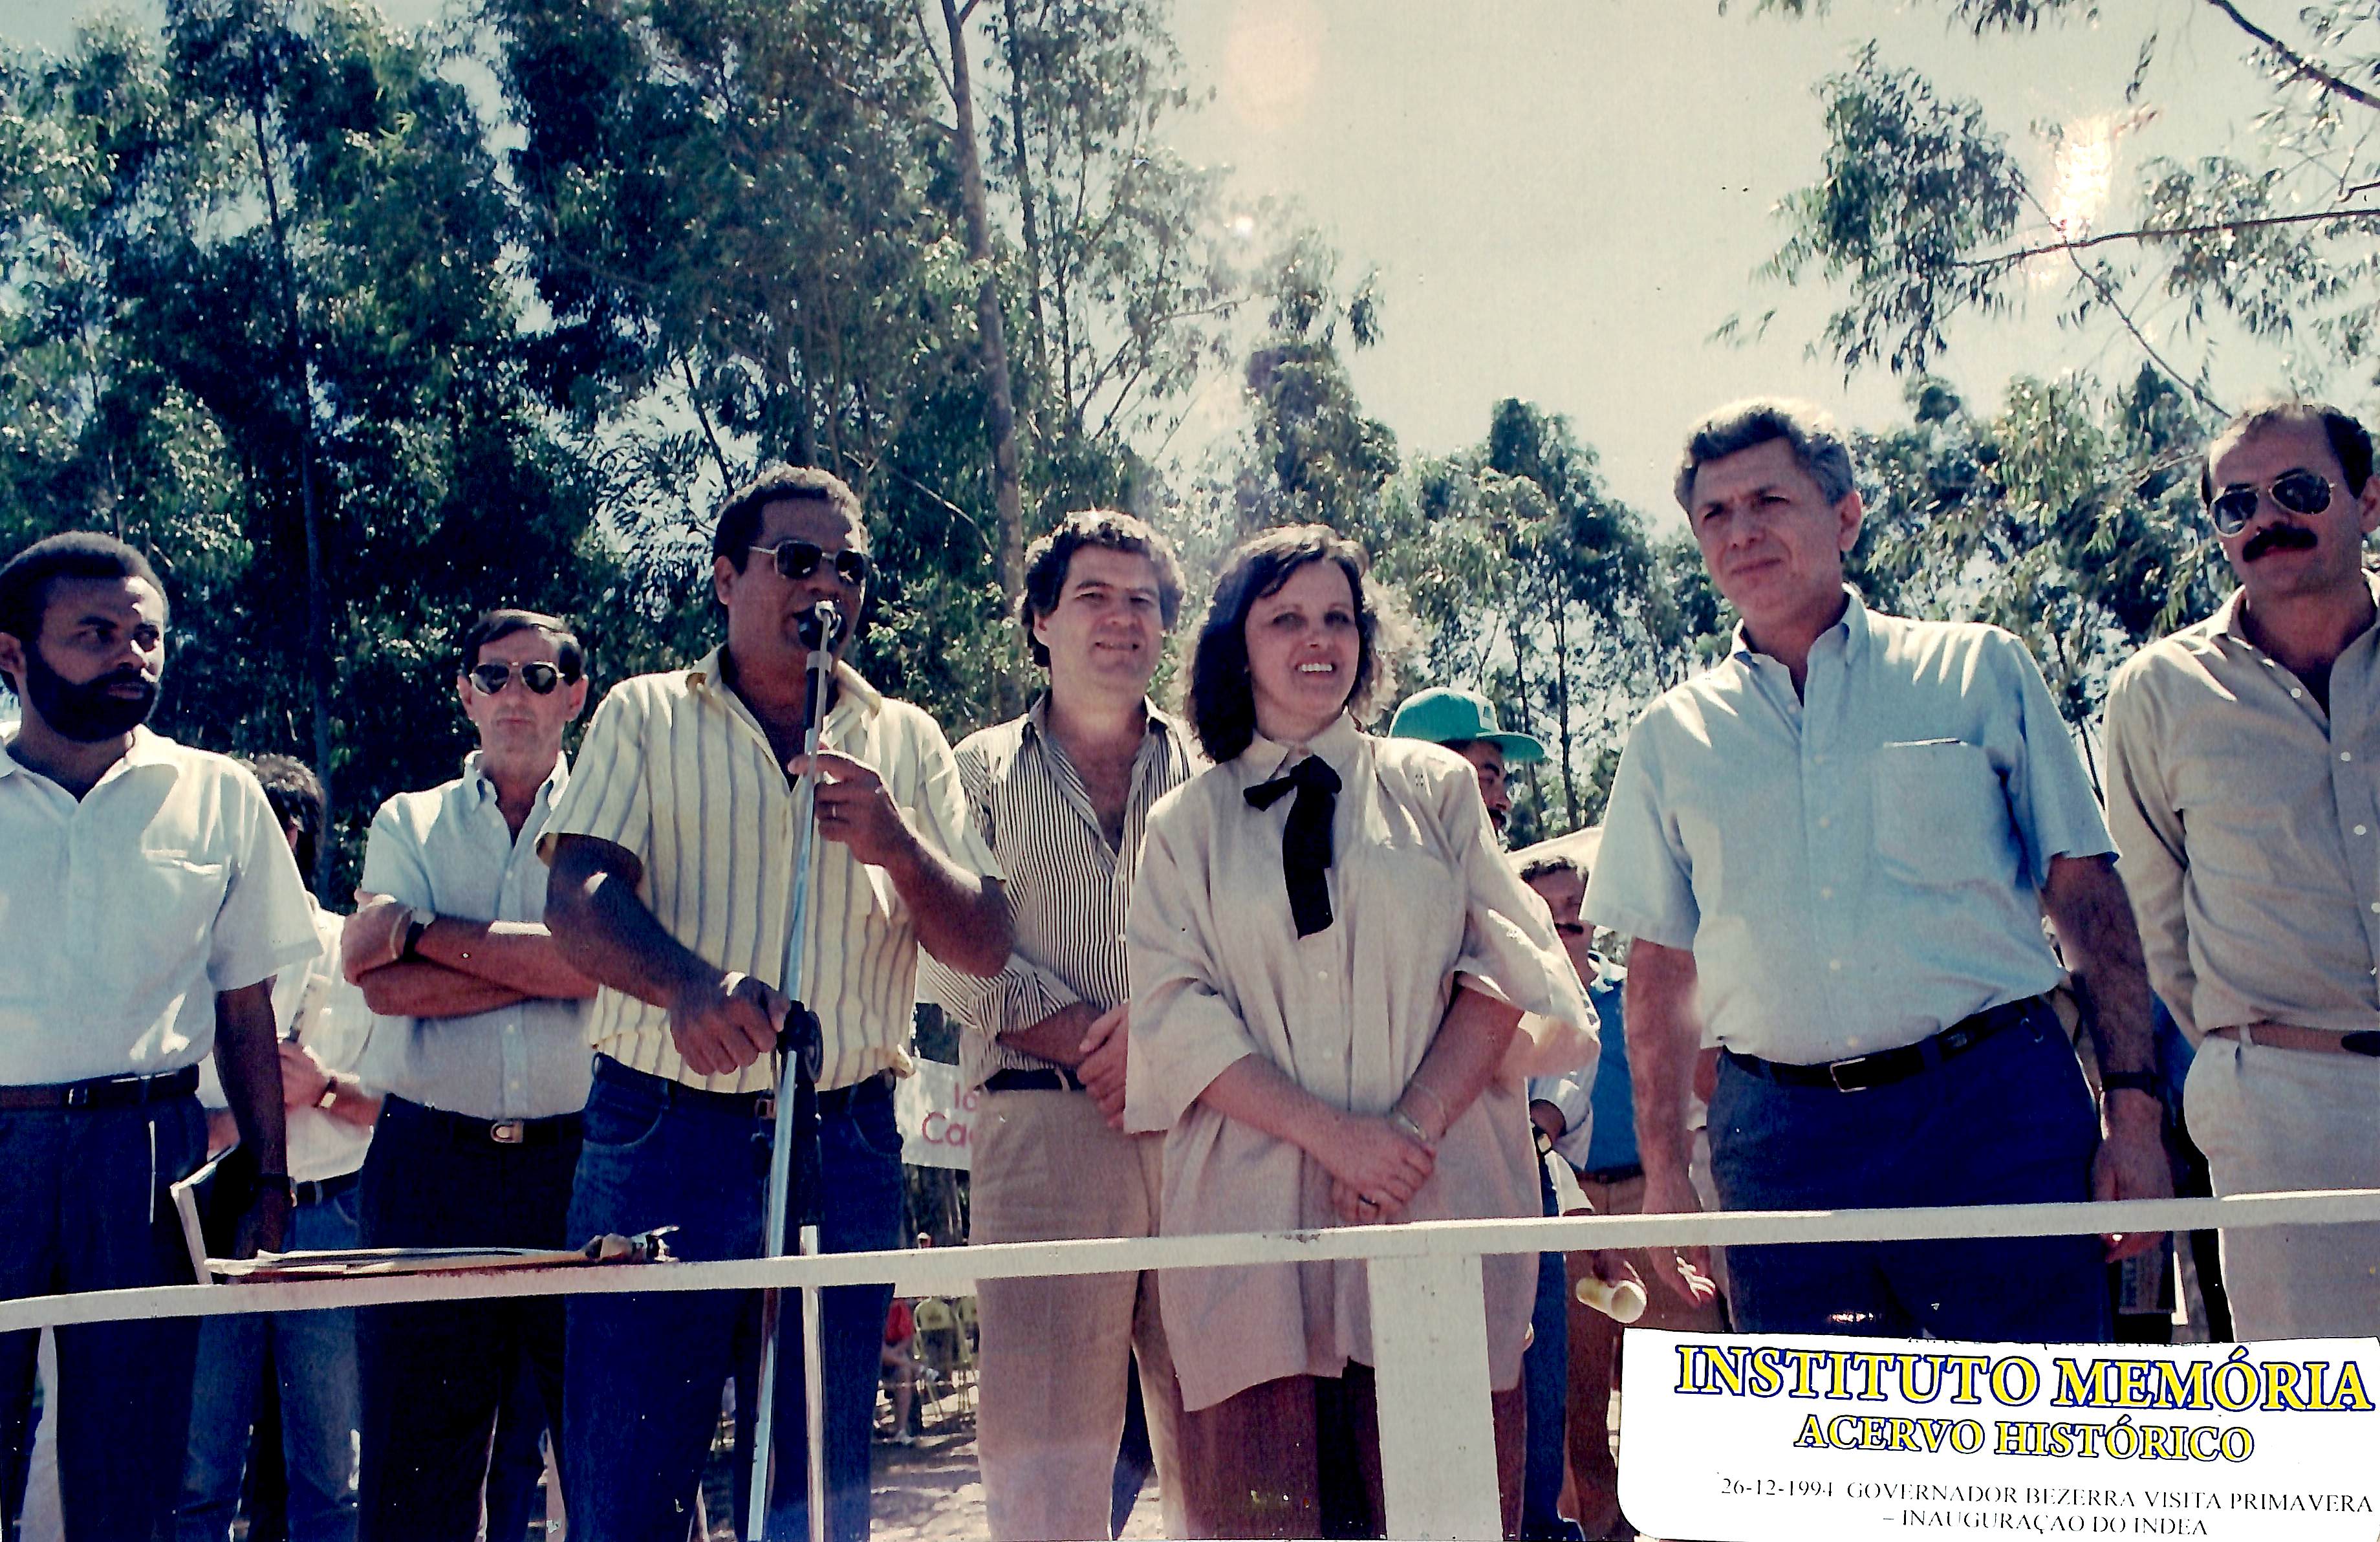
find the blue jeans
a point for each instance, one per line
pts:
(2008, 1123)
(644, 1371)
(1545, 1374)
(315, 1362)
(84, 1207)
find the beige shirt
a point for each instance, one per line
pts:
(676, 769)
(1419, 894)
(2249, 822)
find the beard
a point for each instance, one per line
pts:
(86, 713)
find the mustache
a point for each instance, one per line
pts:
(130, 675)
(2276, 538)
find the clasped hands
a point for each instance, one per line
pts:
(1375, 1168)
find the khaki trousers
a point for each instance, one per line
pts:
(1047, 1168)
(2273, 1121)
(1595, 1360)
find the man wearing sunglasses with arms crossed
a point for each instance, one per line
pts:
(481, 1048)
(2240, 757)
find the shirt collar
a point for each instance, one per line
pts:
(1336, 745)
(706, 678)
(147, 749)
(1037, 718)
(2230, 617)
(475, 776)
(1853, 627)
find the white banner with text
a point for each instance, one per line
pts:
(934, 1115)
(1779, 1439)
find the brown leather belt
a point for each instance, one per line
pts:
(2320, 1041)
(104, 1092)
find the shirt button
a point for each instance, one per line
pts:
(1826, 893)
(2375, 907)
(2358, 830)
(2346, 755)
(1838, 964)
(1826, 822)
(2295, 692)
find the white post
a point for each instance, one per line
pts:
(1438, 1434)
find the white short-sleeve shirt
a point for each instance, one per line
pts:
(126, 910)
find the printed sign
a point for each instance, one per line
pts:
(1773, 1439)
(934, 1115)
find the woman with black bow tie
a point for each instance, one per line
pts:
(1330, 963)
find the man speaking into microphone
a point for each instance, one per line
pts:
(673, 876)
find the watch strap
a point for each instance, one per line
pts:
(2137, 1081)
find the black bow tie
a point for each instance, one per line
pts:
(1305, 839)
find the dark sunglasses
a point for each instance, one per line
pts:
(798, 560)
(2297, 491)
(488, 679)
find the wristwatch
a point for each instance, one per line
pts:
(2137, 1081)
(417, 921)
(330, 1096)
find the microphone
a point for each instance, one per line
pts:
(821, 627)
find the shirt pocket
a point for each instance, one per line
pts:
(1942, 816)
(161, 913)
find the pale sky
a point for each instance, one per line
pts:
(1564, 197)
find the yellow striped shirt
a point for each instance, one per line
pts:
(677, 770)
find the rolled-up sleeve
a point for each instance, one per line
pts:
(1510, 949)
(1183, 1033)
(1643, 882)
(2154, 859)
(609, 797)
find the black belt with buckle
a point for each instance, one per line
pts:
(314, 1191)
(464, 1130)
(735, 1105)
(1862, 1072)
(102, 1092)
(1056, 1078)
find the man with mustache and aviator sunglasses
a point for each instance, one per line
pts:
(480, 1048)
(2241, 757)
(149, 900)
(673, 883)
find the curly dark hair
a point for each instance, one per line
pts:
(1221, 698)
(1046, 562)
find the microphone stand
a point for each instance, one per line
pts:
(793, 1187)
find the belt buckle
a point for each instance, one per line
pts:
(1835, 1073)
(508, 1131)
(76, 1096)
(764, 1105)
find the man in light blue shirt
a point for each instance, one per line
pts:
(1836, 847)
(482, 1053)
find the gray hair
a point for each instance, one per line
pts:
(1817, 447)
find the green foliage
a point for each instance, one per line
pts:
(1921, 212)
(278, 248)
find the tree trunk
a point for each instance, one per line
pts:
(999, 406)
(1024, 195)
(318, 599)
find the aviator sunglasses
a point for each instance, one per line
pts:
(2297, 491)
(798, 560)
(540, 678)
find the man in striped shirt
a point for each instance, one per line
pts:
(673, 861)
(1061, 795)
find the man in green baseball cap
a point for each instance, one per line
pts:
(1464, 721)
